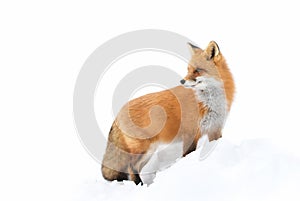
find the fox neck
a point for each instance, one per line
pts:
(228, 81)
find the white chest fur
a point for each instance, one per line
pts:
(211, 93)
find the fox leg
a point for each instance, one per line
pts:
(190, 144)
(139, 161)
(215, 135)
(133, 169)
(190, 149)
(134, 176)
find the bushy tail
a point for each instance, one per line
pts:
(115, 163)
(110, 174)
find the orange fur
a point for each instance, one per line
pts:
(162, 117)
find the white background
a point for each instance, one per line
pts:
(44, 44)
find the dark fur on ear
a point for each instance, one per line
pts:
(212, 50)
(193, 48)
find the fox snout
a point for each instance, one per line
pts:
(184, 81)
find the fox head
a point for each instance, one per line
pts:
(209, 63)
(202, 63)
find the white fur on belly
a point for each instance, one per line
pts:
(162, 156)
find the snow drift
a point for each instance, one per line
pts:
(253, 170)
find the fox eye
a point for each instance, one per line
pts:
(198, 70)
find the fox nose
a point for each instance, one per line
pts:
(182, 81)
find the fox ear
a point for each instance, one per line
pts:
(212, 50)
(193, 48)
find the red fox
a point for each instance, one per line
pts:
(183, 113)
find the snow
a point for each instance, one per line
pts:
(254, 170)
(43, 47)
